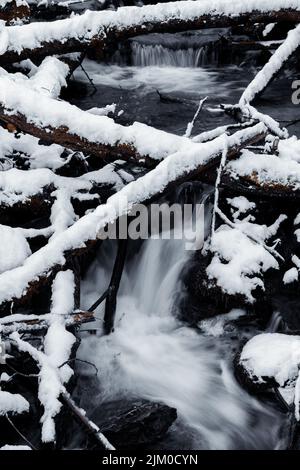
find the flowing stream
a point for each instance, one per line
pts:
(151, 353)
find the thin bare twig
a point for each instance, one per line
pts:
(20, 434)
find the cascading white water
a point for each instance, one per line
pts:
(151, 354)
(274, 323)
(145, 55)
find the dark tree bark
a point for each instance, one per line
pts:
(11, 12)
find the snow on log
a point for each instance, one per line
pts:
(67, 125)
(18, 186)
(12, 403)
(38, 155)
(40, 191)
(272, 67)
(278, 172)
(89, 426)
(182, 165)
(50, 386)
(47, 79)
(101, 29)
(50, 381)
(12, 11)
(58, 344)
(50, 77)
(24, 323)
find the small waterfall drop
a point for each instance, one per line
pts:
(152, 355)
(275, 322)
(146, 55)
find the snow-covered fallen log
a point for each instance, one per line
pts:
(249, 186)
(32, 153)
(244, 110)
(64, 124)
(58, 344)
(272, 67)
(278, 173)
(101, 29)
(25, 194)
(183, 165)
(38, 323)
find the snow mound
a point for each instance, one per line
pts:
(12, 402)
(236, 261)
(14, 248)
(272, 355)
(268, 169)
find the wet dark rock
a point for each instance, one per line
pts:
(133, 423)
(205, 299)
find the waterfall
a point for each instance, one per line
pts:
(152, 355)
(275, 321)
(144, 55)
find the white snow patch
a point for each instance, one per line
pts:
(12, 403)
(14, 248)
(290, 276)
(267, 169)
(272, 355)
(14, 447)
(242, 204)
(238, 261)
(268, 29)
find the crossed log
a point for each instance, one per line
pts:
(21, 283)
(62, 124)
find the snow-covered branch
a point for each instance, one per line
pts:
(101, 28)
(272, 67)
(181, 165)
